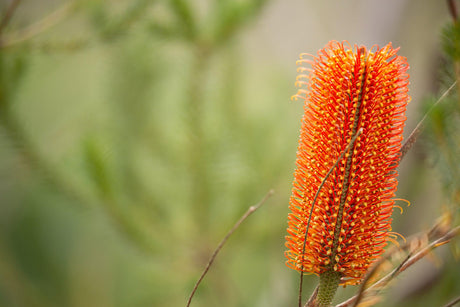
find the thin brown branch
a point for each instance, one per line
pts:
(405, 265)
(8, 14)
(441, 241)
(452, 303)
(414, 134)
(452, 9)
(349, 146)
(362, 288)
(39, 27)
(251, 210)
(311, 301)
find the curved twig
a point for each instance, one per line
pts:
(452, 9)
(349, 146)
(224, 240)
(452, 303)
(414, 134)
(362, 288)
(40, 26)
(405, 265)
(8, 14)
(312, 298)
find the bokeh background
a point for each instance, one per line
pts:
(133, 134)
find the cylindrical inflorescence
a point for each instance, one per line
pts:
(349, 92)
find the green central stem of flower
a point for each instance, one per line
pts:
(346, 180)
(330, 279)
(328, 284)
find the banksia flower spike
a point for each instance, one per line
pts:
(348, 151)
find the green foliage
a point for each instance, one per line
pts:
(111, 27)
(232, 15)
(132, 153)
(444, 120)
(451, 40)
(185, 21)
(12, 69)
(441, 135)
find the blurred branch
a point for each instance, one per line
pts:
(414, 134)
(8, 14)
(232, 16)
(110, 31)
(452, 303)
(73, 45)
(129, 223)
(19, 287)
(39, 27)
(20, 141)
(184, 18)
(452, 9)
(111, 28)
(312, 300)
(374, 270)
(229, 16)
(133, 13)
(251, 210)
(198, 163)
(161, 29)
(417, 255)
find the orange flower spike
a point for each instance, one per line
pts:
(355, 100)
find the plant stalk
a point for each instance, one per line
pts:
(328, 284)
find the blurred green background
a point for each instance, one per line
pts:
(133, 134)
